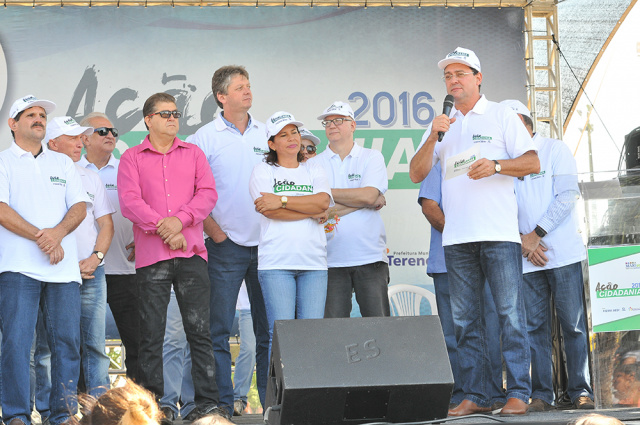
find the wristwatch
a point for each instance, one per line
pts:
(284, 201)
(540, 231)
(99, 254)
(498, 166)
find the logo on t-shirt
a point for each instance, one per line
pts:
(287, 186)
(111, 186)
(463, 162)
(57, 181)
(479, 138)
(91, 196)
(259, 151)
(353, 177)
(537, 176)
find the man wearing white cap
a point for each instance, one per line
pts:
(483, 147)
(552, 251)
(234, 142)
(93, 237)
(356, 255)
(119, 267)
(41, 202)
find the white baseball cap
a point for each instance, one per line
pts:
(280, 120)
(517, 106)
(30, 101)
(306, 134)
(337, 108)
(67, 126)
(461, 55)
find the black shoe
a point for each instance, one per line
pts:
(167, 416)
(192, 416)
(215, 411)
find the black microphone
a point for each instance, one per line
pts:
(446, 110)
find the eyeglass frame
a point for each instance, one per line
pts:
(176, 114)
(106, 130)
(459, 75)
(327, 123)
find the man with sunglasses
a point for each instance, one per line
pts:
(234, 142)
(356, 255)
(483, 146)
(166, 189)
(120, 271)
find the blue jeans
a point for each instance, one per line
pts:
(95, 362)
(20, 297)
(293, 294)
(229, 264)
(40, 370)
(246, 360)
(469, 265)
(567, 287)
(494, 366)
(176, 363)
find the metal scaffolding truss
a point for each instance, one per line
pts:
(543, 67)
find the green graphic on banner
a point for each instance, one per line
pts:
(619, 325)
(397, 148)
(601, 255)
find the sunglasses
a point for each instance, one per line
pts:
(310, 149)
(103, 131)
(167, 114)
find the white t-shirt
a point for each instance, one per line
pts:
(41, 190)
(485, 209)
(360, 237)
(116, 261)
(290, 245)
(87, 231)
(232, 157)
(536, 192)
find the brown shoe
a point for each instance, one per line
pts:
(468, 407)
(583, 403)
(538, 405)
(514, 407)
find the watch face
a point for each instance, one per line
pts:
(99, 255)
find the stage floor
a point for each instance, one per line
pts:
(628, 416)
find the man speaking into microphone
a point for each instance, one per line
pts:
(483, 148)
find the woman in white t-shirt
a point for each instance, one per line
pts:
(293, 198)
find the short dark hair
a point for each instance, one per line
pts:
(150, 104)
(222, 78)
(475, 72)
(527, 121)
(17, 118)
(271, 157)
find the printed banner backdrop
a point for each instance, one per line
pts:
(383, 61)
(614, 288)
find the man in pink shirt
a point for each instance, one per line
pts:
(166, 189)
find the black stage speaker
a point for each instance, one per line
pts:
(358, 370)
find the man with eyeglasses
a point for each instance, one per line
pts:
(356, 255)
(119, 267)
(483, 148)
(42, 201)
(234, 142)
(166, 189)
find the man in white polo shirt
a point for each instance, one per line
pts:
(356, 255)
(483, 146)
(41, 202)
(234, 142)
(93, 237)
(119, 267)
(553, 251)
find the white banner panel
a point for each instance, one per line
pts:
(383, 61)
